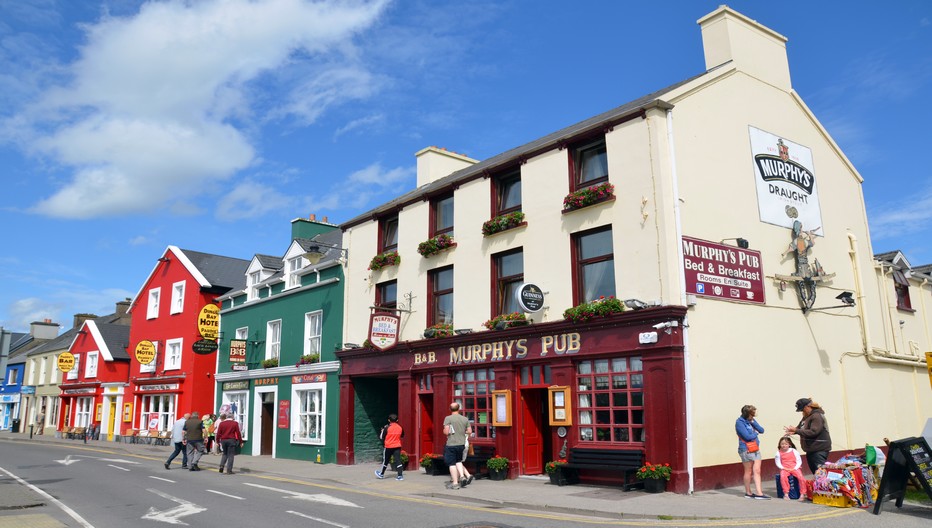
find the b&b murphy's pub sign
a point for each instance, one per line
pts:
(383, 330)
(724, 272)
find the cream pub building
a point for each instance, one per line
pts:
(726, 214)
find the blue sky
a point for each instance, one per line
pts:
(128, 126)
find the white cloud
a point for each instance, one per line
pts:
(368, 121)
(158, 104)
(896, 219)
(252, 200)
(139, 240)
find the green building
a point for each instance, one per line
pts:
(276, 371)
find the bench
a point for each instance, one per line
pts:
(129, 436)
(77, 433)
(627, 461)
(480, 457)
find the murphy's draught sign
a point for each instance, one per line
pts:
(785, 178)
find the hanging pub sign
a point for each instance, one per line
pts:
(383, 330)
(723, 272)
(204, 347)
(208, 321)
(237, 351)
(145, 352)
(530, 297)
(785, 178)
(65, 361)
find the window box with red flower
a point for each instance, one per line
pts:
(438, 330)
(589, 196)
(554, 468)
(508, 320)
(384, 260)
(435, 245)
(655, 476)
(601, 307)
(503, 223)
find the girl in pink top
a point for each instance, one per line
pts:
(789, 462)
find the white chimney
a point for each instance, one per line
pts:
(754, 49)
(434, 163)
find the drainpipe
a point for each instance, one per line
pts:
(682, 275)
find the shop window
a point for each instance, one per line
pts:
(73, 373)
(611, 400)
(508, 273)
(173, 348)
(312, 332)
(82, 411)
(473, 390)
(594, 272)
(507, 189)
(441, 216)
(901, 285)
(273, 339)
(234, 406)
(386, 296)
(535, 375)
(152, 310)
(177, 297)
(388, 234)
(440, 296)
(307, 416)
(157, 411)
(588, 164)
(425, 384)
(90, 366)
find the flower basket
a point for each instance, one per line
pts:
(391, 258)
(426, 460)
(270, 363)
(650, 471)
(588, 196)
(438, 330)
(433, 464)
(498, 463)
(435, 245)
(307, 359)
(501, 322)
(601, 307)
(502, 223)
(655, 485)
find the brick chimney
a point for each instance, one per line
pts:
(757, 50)
(122, 307)
(434, 163)
(81, 317)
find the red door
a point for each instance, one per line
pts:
(425, 424)
(531, 437)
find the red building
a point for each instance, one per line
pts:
(93, 390)
(173, 336)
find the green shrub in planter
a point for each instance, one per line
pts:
(497, 463)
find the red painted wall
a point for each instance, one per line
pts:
(116, 371)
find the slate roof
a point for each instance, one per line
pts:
(116, 337)
(924, 269)
(888, 256)
(64, 340)
(267, 262)
(220, 271)
(539, 146)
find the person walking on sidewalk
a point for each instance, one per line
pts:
(456, 427)
(229, 435)
(40, 422)
(208, 433)
(391, 436)
(194, 438)
(178, 442)
(747, 428)
(218, 449)
(813, 433)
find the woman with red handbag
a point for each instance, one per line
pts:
(747, 428)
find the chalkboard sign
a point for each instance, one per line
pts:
(909, 454)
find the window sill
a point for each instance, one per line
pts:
(905, 309)
(451, 246)
(598, 202)
(516, 226)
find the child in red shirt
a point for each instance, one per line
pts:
(789, 462)
(391, 436)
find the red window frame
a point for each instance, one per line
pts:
(385, 225)
(610, 401)
(500, 183)
(435, 210)
(472, 388)
(382, 299)
(433, 293)
(579, 263)
(500, 283)
(576, 159)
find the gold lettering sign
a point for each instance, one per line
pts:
(208, 321)
(145, 352)
(65, 361)
(569, 343)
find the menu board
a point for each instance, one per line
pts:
(905, 456)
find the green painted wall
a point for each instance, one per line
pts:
(376, 398)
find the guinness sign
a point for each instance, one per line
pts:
(530, 297)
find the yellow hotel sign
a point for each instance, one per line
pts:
(65, 361)
(145, 352)
(208, 321)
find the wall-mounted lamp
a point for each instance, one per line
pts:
(741, 242)
(350, 345)
(164, 259)
(637, 304)
(463, 331)
(846, 298)
(316, 251)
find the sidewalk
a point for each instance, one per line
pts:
(526, 493)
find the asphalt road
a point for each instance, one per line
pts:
(102, 489)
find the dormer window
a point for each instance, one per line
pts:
(252, 283)
(901, 285)
(294, 265)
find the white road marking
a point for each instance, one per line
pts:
(73, 514)
(225, 494)
(173, 516)
(160, 478)
(67, 461)
(320, 497)
(318, 519)
(118, 467)
(118, 460)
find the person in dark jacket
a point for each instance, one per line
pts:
(813, 433)
(231, 438)
(194, 440)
